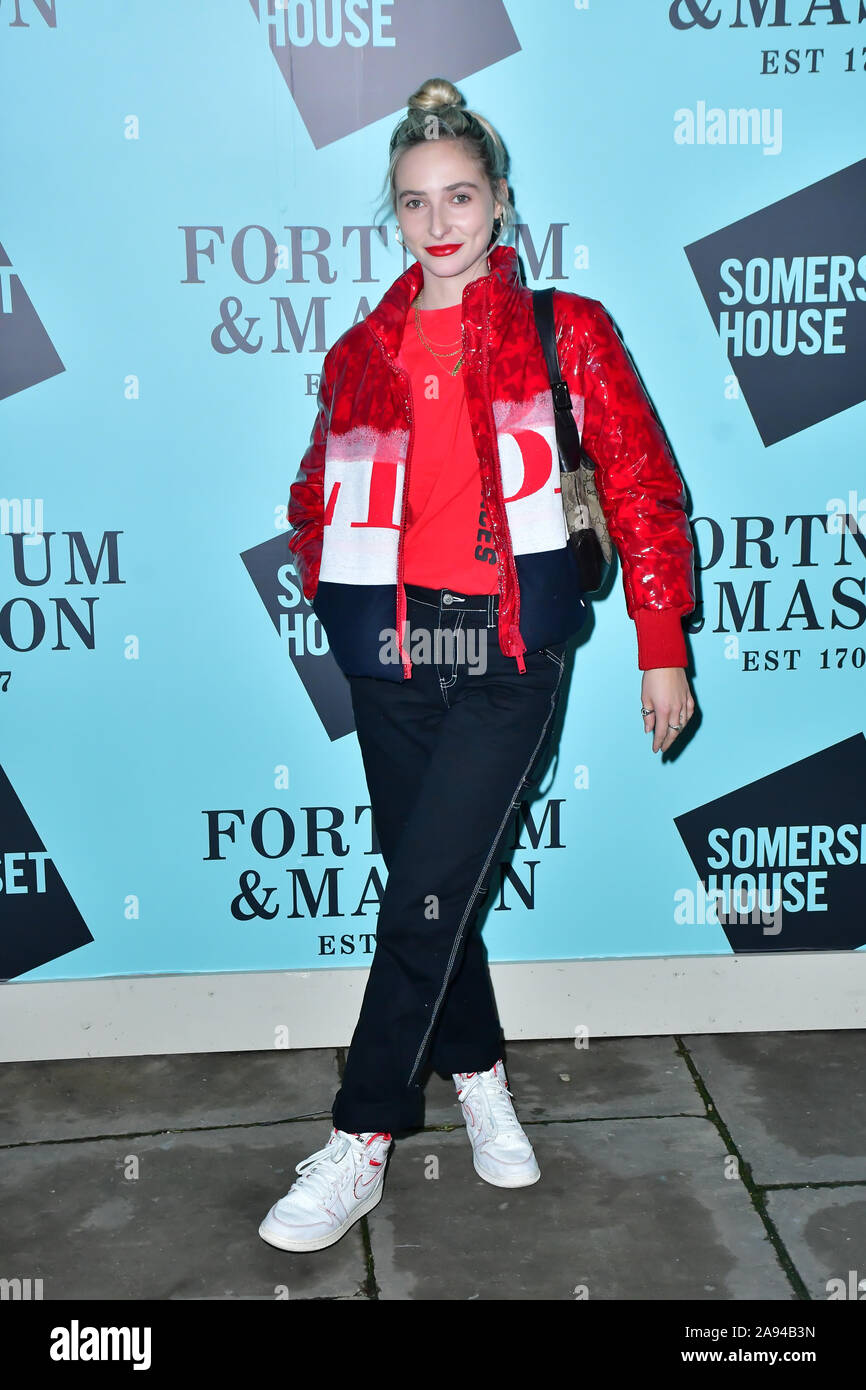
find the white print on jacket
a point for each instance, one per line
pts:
(363, 492)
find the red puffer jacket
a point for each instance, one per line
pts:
(346, 509)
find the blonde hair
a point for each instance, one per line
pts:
(438, 111)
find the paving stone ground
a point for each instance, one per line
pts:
(708, 1167)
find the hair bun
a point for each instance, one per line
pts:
(437, 93)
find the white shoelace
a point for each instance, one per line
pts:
(318, 1175)
(496, 1095)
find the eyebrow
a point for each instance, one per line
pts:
(419, 192)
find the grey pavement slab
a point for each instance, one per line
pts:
(633, 1202)
(84, 1097)
(824, 1232)
(554, 1080)
(624, 1209)
(186, 1228)
(794, 1103)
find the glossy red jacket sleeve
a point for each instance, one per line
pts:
(305, 511)
(641, 493)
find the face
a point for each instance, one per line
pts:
(444, 201)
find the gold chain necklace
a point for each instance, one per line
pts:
(431, 342)
(426, 343)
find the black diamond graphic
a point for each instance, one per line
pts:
(322, 678)
(27, 354)
(340, 87)
(40, 921)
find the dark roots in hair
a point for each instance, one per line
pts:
(438, 111)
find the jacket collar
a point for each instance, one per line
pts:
(489, 299)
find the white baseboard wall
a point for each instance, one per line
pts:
(147, 1015)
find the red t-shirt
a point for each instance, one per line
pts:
(448, 543)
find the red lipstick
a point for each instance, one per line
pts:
(443, 250)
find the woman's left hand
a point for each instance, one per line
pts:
(666, 695)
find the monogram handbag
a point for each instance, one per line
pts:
(585, 522)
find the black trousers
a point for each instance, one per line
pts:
(447, 755)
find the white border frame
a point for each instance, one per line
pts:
(148, 1015)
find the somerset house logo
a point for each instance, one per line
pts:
(348, 65)
(786, 291)
(782, 860)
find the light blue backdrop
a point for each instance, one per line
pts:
(126, 124)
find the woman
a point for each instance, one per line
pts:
(428, 533)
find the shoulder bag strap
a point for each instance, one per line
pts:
(567, 437)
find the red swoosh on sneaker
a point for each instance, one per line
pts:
(363, 1183)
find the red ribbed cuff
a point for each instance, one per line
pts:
(660, 638)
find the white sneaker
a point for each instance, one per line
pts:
(501, 1152)
(338, 1185)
